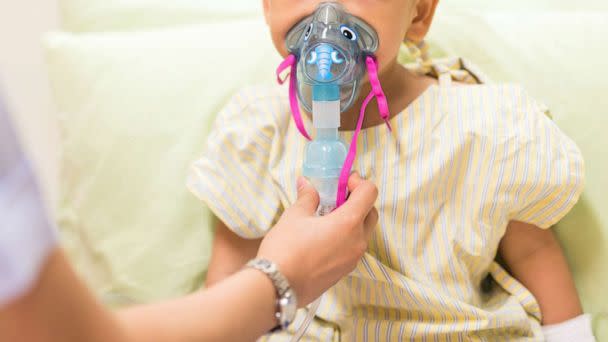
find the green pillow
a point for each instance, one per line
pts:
(562, 66)
(135, 109)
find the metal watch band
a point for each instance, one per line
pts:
(272, 271)
(287, 301)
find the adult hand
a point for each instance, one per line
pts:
(316, 252)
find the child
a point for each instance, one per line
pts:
(467, 173)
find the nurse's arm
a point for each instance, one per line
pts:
(60, 308)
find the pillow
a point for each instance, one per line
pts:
(134, 112)
(125, 15)
(561, 65)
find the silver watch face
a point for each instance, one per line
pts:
(288, 306)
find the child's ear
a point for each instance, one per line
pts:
(266, 6)
(425, 11)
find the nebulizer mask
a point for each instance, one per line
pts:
(330, 52)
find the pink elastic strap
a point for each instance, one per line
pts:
(286, 63)
(372, 69)
(290, 62)
(352, 153)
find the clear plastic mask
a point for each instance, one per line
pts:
(331, 46)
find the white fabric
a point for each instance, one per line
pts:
(9, 150)
(26, 236)
(577, 329)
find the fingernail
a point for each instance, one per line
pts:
(301, 183)
(355, 173)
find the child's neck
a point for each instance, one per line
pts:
(401, 87)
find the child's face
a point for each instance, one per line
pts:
(393, 20)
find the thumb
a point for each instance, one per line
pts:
(308, 197)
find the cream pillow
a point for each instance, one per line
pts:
(124, 15)
(135, 109)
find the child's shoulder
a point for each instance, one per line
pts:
(252, 112)
(496, 108)
(508, 98)
(519, 140)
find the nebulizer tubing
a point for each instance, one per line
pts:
(310, 316)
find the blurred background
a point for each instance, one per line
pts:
(24, 81)
(114, 99)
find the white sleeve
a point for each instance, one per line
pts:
(26, 235)
(578, 329)
(232, 176)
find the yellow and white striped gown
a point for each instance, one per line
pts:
(460, 163)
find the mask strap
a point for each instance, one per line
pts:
(290, 62)
(352, 153)
(378, 93)
(372, 71)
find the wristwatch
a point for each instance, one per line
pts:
(287, 303)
